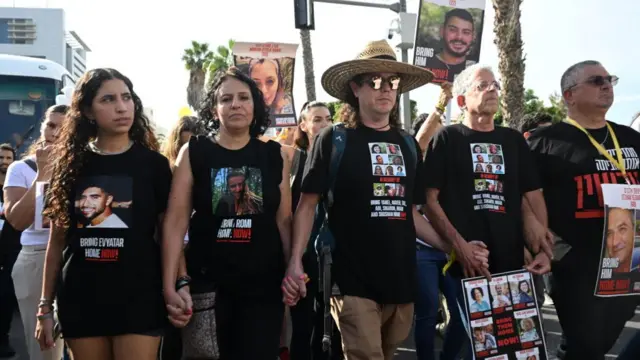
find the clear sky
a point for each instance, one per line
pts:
(145, 40)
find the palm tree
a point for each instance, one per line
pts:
(195, 59)
(307, 60)
(221, 60)
(511, 65)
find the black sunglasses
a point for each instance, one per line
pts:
(376, 82)
(599, 80)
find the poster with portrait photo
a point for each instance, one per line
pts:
(104, 202)
(40, 221)
(448, 36)
(619, 272)
(512, 327)
(500, 295)
(522, 290)
(271, 66)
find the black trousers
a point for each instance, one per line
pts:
(307, 320)
(591, 324)
(248, 329)
(8, 302)
(304, 313)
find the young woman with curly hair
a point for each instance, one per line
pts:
(238, 187)
(108, 192)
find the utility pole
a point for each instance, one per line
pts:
(399, 8)
(406, 100)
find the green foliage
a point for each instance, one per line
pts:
(197, 56)
(334, 108)
(222, 59)
(414, 110)
(533, 104)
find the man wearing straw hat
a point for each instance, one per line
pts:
(374, 261)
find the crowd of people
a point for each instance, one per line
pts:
(197, 251)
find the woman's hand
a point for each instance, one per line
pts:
(44, 331)
(294, 284)
(179, 306)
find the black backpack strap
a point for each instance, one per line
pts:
(295, 165)
(32, 164)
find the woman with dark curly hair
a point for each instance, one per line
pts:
(108, 193)
(239, 235)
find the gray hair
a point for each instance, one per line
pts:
(569, 77)
(464, 80)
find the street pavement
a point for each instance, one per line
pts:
(407, 351)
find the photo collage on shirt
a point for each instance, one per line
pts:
(488, 162)
(503, 316)
(103, 204)
(388, 166)
(236, 192)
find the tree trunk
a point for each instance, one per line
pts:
(195, 88)
(511, 65)
(307, 60)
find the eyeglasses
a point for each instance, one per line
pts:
(484, 85)
(598, 81)
(376, 82)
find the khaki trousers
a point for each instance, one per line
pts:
(370, 331)
(27, 280)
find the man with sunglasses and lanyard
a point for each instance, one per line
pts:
(465, 204)
(374, 261)
(573, 159)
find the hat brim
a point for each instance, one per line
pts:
(335, 80)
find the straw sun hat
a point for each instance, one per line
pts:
(376, 57)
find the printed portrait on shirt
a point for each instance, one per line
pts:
(104, 202)
(387, 159)
(487, 158)
(236, 191)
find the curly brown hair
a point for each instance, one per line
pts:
(350, 110)
(172, 144)
(71, 151)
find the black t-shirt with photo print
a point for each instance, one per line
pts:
(371, 218)
(112, 257)
(572, 172)
(482, 177)
(234, 240)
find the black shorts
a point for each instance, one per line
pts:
(144, 314)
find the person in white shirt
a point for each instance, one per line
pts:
(20, 204)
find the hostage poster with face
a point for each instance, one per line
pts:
(448, 36)
(620, 257)
(271, 66)
(503, 317)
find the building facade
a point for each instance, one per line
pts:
(41, 33)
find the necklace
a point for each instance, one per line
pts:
(605, 138)
(381, 127)
(93, 147)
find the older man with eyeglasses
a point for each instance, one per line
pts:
(468, 198)
(573, 159)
